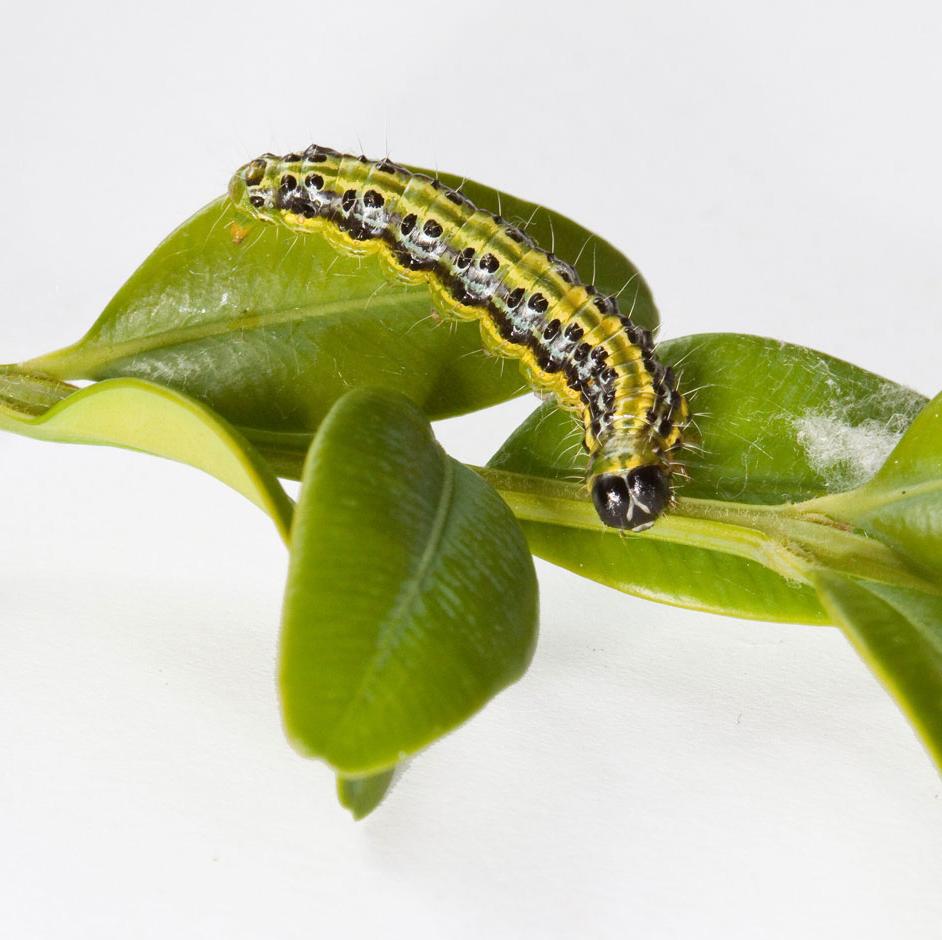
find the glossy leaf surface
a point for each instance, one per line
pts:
(411, 596)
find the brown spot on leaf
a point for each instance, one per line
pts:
(237, 232)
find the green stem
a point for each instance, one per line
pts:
(793, 540)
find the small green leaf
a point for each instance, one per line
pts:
(411, 596)
(898, 632)
(269, 328)
(142, 416)
(902, 504)
(361, 795)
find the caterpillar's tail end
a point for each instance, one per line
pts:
(237, 190)
(631, 500)
(245, 187)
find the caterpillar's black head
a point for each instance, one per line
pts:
(633, 499)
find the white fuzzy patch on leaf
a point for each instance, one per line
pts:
(845, 455)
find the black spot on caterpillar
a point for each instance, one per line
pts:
(571, 341)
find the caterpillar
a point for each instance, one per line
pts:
(572, 342)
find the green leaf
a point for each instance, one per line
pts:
(766, 409)
(776, 422)
(411, 597)
(902, 504)
(361, 795)
(898, 632)
(270, 328)
(142, 416)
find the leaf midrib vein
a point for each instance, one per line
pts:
(394, 624)
(90, 355)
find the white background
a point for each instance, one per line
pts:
(773, 168)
